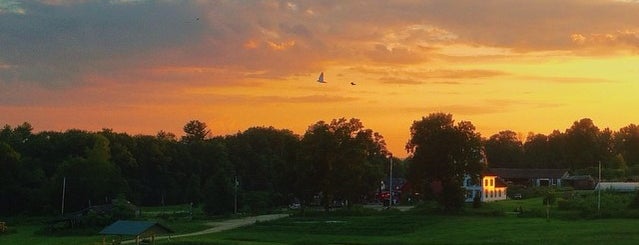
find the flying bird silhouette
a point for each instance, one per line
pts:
(320, 79)
(196, 20)
(353, 83)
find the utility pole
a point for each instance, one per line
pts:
(236, 184)
(390, 185)
(599, 192)
(64, 186)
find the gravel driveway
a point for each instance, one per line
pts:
(223, 226)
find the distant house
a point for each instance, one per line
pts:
(618, 186)
(491, 188)
(531, 177)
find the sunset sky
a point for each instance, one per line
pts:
(144, 66)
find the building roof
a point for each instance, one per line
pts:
(618, 186)
(579, 177)
(500, 183)
(134, 228)
(523, 173)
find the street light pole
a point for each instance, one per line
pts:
(236, 184)
(599, 192)
(64, 188)
(390, 185)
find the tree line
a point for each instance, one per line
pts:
(264, 167)
(580, 148)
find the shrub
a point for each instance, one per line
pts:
(477, 201)
(564, 204)
(635, 201)
(257, 201)
(549, 197)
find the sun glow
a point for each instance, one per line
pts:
(237, 65)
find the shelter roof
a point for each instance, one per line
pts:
(524, 173)
(134, 228)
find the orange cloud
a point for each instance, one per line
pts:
(251, 44)
(626, 37)
(281, 45)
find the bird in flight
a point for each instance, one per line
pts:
(353, 83)
(320, 79)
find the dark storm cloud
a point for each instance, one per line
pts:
(56, 45)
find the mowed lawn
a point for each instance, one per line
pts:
(394, 229)
(476, 226)
(427, 229)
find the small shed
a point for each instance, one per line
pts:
(141, 230)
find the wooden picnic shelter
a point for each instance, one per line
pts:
(141, 230)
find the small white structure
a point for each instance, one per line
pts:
(490, 189)
(618, 186)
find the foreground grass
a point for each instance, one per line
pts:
(426, 229)
(393, 229)
(493, 223)
(32, 229)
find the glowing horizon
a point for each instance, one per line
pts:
(144, 66)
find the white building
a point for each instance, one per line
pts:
(490, 189)
(618, 186)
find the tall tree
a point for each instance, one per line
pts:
(626, 143)
(537, 152)
(195, 131)
(504, 150)
(263, 159)
(10, 185)
(342, 159)
(217, 177)
(92, 179)
(583, 146)
(444, 151)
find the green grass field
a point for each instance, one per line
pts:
(493, 223)
(427, 229)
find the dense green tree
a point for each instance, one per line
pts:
(341, 160)
(536, 151)
(92, 179)
(195, 131)
(217, 179)
(626, 143)
(504, 150)
(9, 183)
(263, 159)
(154, 180)
(586, 145)
(558, 145)
(442, 151)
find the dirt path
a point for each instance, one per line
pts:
(223, 226)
